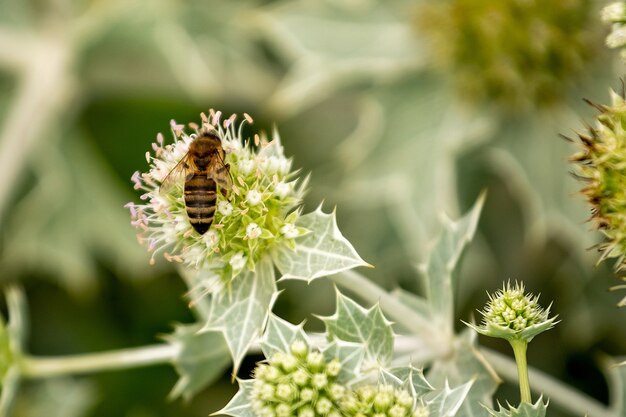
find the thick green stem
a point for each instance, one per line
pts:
(519, 350)
(45, 367)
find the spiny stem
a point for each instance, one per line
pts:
(45, 367)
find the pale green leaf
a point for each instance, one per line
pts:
(447, 401)
(537, 409)
(239, 405)
(57, 397)
(279, 335)
(353, 323)
(437, 271)
(241, 310)
(321, 252)
(467, 363)
(202, 358)
(415, 378)
(350, 355)
(385, 377)
(83, 220)
(328, 52)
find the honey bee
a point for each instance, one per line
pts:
(203, 169)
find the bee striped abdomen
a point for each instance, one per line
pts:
(200, 200)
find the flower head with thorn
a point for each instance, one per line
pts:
(514, 315)
(256, 214)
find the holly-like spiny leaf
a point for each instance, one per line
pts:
(353, 323)
(321, 252)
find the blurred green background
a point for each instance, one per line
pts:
(398, 121)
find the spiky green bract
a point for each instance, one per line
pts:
(520, 53)
(514, 315)
(601, 164)
(259, 212)
(537, 409)
(370, 328)
(615, 15)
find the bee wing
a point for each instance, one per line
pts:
(178, 174)
(219, 172)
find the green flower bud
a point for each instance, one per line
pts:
(513, 315)
(520, 53)
(421, 411)
(306, 411)
(283, 410)
(323, 406)
(299, 349)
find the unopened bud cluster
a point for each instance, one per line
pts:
(258, 213)
(520, 53)
(512, 314)
(381, 401)
(601, 165)
(301, 383)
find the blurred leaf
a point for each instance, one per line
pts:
(241, 310)
(350, 355)
(353, 323)
(72, 215)
(447, 401)
(407, 177)
(58, 397)
(532, 160)
(437, 271)
(465, 364)
(202, 359)
(321, 252)
(240, 405)
(279, 335)
(332, 45)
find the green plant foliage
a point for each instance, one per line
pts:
(353, 323)
(537, 409)
(240, 311)
(201, 359)
(321, 252)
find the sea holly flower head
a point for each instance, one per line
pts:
(298, 383)
(256, 214)
(514, 315)
(520, 53)
(601, 165)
